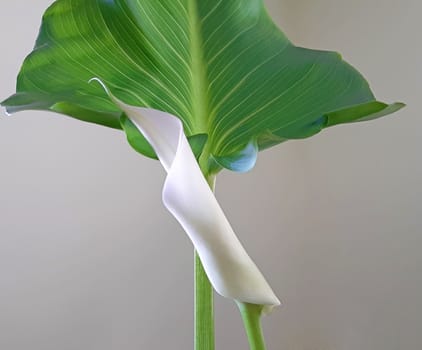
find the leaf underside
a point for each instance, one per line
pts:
(222, 67)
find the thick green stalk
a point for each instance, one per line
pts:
(251, 315)
(204, 309)
(204, 302)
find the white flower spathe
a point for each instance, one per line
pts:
(187, 195)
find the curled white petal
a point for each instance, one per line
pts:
(188, 197)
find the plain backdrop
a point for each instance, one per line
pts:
(90, 259)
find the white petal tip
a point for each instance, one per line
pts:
(99, 81)
(267, 309)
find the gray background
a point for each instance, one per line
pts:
(90, 259)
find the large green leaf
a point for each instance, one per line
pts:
(222, 67)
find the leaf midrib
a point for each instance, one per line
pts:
(199, 79)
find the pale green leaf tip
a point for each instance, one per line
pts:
(389, 109)
(363, 112)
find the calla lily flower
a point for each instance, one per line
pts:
(188, 196)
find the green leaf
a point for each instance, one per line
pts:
(222, 67)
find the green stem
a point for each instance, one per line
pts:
(204, 302)
(251, 315)
(204, 309)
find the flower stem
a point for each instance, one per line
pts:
(251, 315)
(204, 309)
(204, 302)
